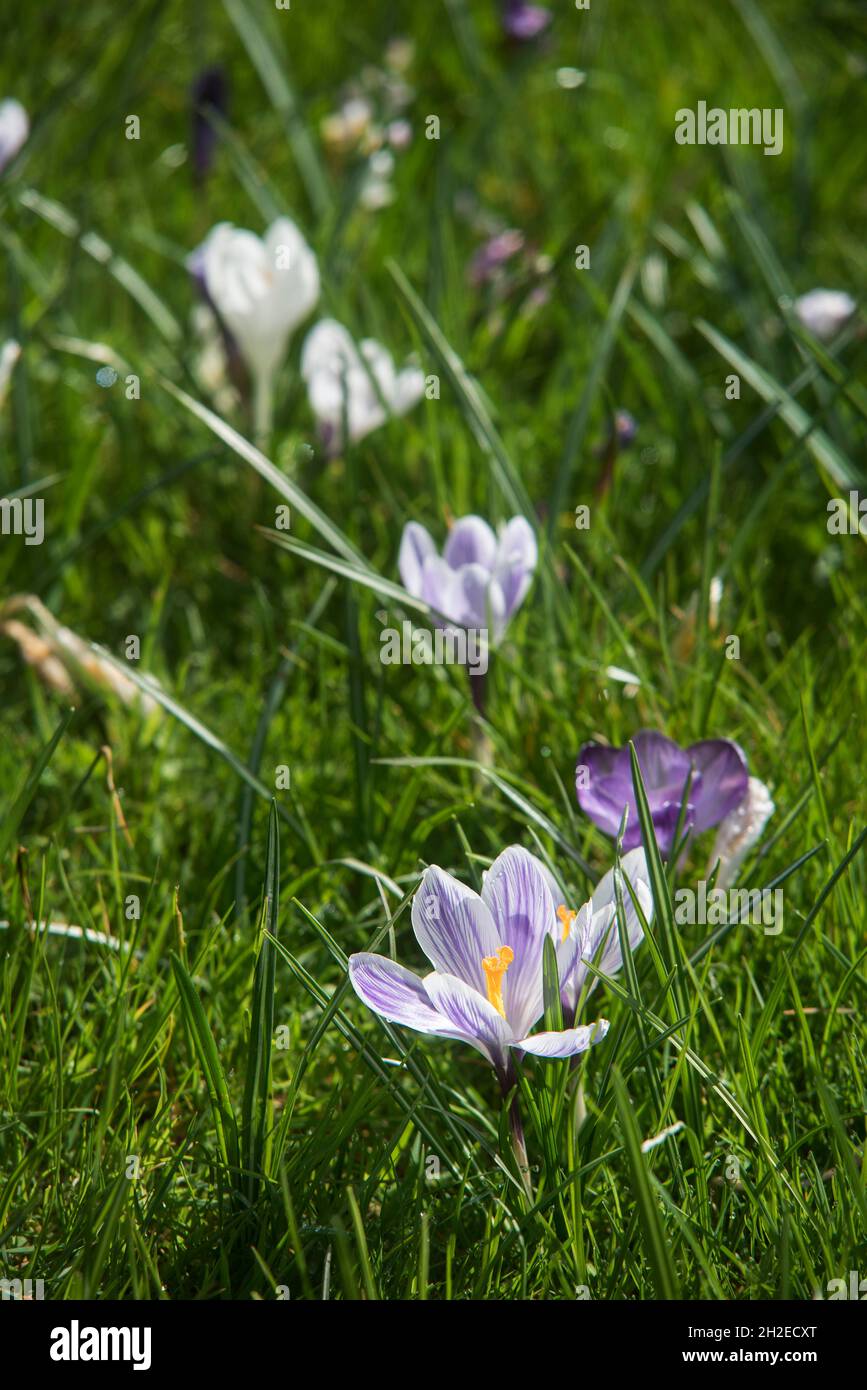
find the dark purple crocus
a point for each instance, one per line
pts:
(210, 90)
(524, 22)
(603, 782)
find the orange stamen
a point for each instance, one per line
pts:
(495, 968)
(567, 917)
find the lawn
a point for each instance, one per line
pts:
(217, 788)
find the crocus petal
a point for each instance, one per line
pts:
(296, 273)
(664, 765)
(470, 542)
(328, 347)
(597, 928)
(354, 382)
(634, 866)
(470, 1014)
(380, 365)
(724, 777)
(571, 951)
(453, 927)
(481, 599)
(441, 588)
(605, 790)
(416, 544)
(665, 818)
(398, 995)
(603, 786)
(516, 560)
(517, 893)
(408, 390)
(261, 289)
(566, 1044)
(603, 930)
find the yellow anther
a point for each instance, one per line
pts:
(495, 968)
(567, 917)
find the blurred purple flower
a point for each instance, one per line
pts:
(625, 428)
(480, 580)
(486, 950)
(524, 22)
(210, 89)
(620, 436)
(603, 784)
(494, 254)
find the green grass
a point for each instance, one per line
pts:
(286, 1140)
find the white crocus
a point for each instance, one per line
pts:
(14, 130)
(824, 312)
(740, 831)
(262, 288)
(356, 386)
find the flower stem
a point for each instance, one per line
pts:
(516, 1131)
(478, 689)
(483, 749)
(263, 408)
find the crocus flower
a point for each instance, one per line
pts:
(14, 129)
(358, 385)
(210, 89)
(524, 22)
(486, 951)
(594, 927)
(480, 579)
(604, 785)
(262, 289)
(823, 312)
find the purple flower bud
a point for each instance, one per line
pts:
(209, 90)
(524, 22)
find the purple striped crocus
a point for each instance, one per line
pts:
(486, 950)
(480, 580)
(719, 785)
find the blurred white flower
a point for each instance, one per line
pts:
(823, 312)
(9, 354)
(399, 134)
(262, 288)
(357, 385)
(344, 129)
(14, 130)
(376, 190)
(399, 54)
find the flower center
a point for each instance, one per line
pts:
(495, 968)
(567, 917)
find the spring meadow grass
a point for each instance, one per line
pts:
(202, 1108)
